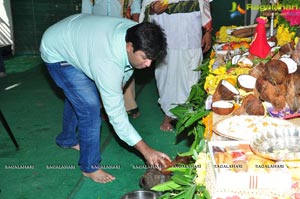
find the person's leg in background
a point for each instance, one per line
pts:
(129, 98)
(2, 66)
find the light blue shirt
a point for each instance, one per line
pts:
(109, 7)
(96, 45)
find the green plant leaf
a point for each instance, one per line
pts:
(188, 153)
(195, 118)
(206, 194)
(179, 111)
(166, 186)
(190, 192)
(203, 65)
(180, 195)
(165, 196)
(179, 169)
(181, 179)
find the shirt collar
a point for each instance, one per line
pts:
(128, 68)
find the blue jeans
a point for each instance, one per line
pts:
(81, 114)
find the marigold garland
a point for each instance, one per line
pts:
(283, 35)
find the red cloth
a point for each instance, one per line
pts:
(259, 46)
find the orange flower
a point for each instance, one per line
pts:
(208, 123)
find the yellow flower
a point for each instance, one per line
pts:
(296, 40)
(283, 35)
(165, 2)
(211, 62)
(220, 70)
(200, 165)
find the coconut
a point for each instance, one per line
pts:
(222, 107)
(245, 62)
(225, 91)
(277, 70)
(293, 93)
(296, 54)
(275, 94)
(267, 91)
(287, 49)
(235, 59)
(251, 106)
(290, 63)
(246, 82)
(258, 71)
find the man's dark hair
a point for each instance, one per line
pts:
(149, 38)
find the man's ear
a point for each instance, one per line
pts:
(129, 47)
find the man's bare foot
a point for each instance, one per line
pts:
(100, 176)
(76, 147)
(166, 124)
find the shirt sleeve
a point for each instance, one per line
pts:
(87, 7)
(109, 83)
(135, 7)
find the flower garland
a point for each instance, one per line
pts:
(283, 35)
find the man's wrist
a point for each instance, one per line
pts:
(208, 30)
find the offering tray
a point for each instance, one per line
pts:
(244, 127)
(277, 144)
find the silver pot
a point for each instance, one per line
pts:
(141, 194)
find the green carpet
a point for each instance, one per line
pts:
(40, 169)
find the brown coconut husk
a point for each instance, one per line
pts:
(275, 94)
(296, 54)
(276, 71)
(287, 49)
(278, 103)
(258, 71)
(251, 105)
(293, 93)
(151, 178)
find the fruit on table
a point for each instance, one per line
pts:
(235, 45)
(245, 44)
(226, 46)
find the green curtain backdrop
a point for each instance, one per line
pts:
(32, 17)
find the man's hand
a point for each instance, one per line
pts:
(206, 41)
(158, 7)
(154, 158)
